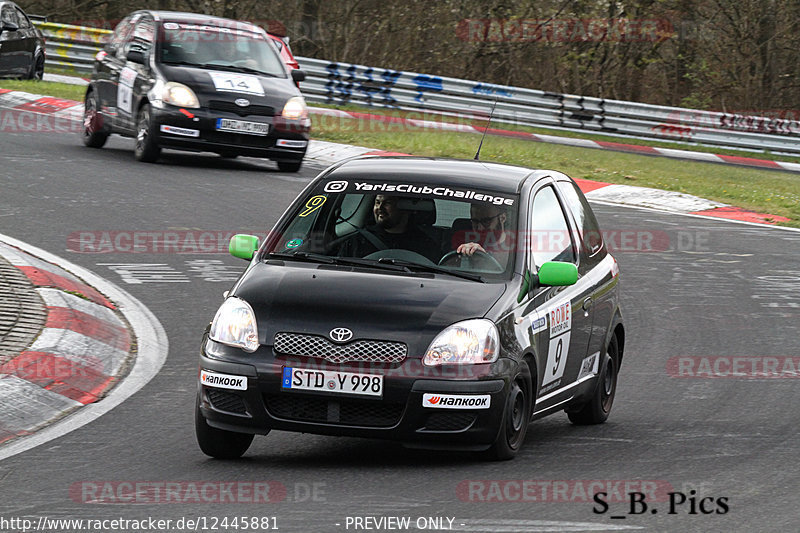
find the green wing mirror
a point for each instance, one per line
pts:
(243, 246)
(558, 274)
(552, 273)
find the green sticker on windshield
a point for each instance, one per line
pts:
(294, 243)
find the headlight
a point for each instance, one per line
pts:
(235, 325)
(464, 343)
(295, 108)
(179, 95)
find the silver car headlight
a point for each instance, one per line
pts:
(179, 95)
(235, 325)
(295, 108)
(464, 343)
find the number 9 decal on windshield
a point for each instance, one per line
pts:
(313, 203)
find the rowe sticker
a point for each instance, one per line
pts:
(223, 381)
(456, 401)
(560, 320)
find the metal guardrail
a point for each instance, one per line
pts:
(72, 47)
(344, 83)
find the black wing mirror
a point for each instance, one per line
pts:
(9, 26)
(298, 75)
(135, 56)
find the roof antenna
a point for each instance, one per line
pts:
(478, 153)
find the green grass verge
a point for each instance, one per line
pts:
(765, 191)
(49, 88)
(563, 133)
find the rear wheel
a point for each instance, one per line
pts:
(37, 68)
(92, 134)
(516, 417)
(596, 411)
(146, 148)
(289, 166)
(219, 443)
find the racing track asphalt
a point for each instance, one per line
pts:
(718, 289)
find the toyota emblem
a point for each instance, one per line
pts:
(242, 102)
(341, 334)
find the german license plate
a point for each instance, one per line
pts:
(332, 381)
(242, 126)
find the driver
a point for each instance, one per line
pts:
(394, 228)
(489, 231)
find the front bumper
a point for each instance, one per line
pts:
(196, 130)
(399, 415)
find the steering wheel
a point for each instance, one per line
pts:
(473, 262)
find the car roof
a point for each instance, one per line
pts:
(498, 177)
(199, 18)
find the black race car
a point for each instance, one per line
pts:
(196, 82)
(440, 303)
(22, 46)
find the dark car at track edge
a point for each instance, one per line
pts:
(22, 45)
(345, 325)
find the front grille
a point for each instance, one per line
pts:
(334, 411)
(230, 107)
(448, 421)
(226, 401)
(361, 351)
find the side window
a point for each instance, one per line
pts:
(591, 238)
(122, 40)
(9, 15)
(23, 20)
(550, 239)
(120, 33)
(142, 38)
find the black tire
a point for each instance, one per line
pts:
(289, 166)
(516, 417)
(219, 443)
(146, 149)
(37, 68)
(596, 411)
(92, 133)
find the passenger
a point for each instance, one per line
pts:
(394, 228)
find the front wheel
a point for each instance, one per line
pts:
(92, 134)
(219, 443)
(289, 166)
(596, 411)
(516, 416)
(146, 149)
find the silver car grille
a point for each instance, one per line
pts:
(361, 351)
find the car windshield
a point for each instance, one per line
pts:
(219, 47)
(423, 228)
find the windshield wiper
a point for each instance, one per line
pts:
(331, 260)
(234, 68)
(185, 63)
(303, 256)
(430, 268)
